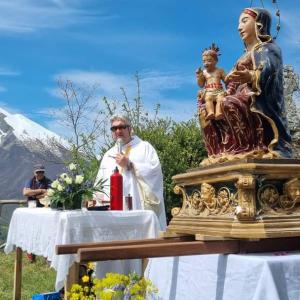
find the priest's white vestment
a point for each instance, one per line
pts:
(144, 181)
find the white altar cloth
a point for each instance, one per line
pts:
(38, 230)
(227, 277)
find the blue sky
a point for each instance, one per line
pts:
(105, 42)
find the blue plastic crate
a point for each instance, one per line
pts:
(47, 296)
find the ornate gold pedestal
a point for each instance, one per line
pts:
(251, 198)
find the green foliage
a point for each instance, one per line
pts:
(36, 278)
(179, 147)
(3, 232)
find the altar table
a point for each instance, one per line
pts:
(39, 230)
(272, 276)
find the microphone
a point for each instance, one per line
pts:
(119, 143)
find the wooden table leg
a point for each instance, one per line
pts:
(18, 274)
(73, 277)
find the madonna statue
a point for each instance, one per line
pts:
(254, 121)
(247, 198)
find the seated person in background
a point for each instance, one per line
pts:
(35, 189)
(140, 167)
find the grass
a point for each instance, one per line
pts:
(37, 277)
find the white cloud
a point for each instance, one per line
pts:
(131, 38)
(26, 16)
(3, 89)
(9, 109)
(291, 33)
(178, 109)
(8, 72)
(153, 83)
(156, 87)
(108, 83)
(289, 38)
(54, 123)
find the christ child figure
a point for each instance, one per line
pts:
(211, 80)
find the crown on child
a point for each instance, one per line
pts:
(213, 51)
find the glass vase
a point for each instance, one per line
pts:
(74, 203)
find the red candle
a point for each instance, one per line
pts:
(116, 190)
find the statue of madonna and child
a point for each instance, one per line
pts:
(249, 174)
(250, 119)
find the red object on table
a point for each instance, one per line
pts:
(116, 190)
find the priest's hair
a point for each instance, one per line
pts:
(122, 118)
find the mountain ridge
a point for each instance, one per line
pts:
(18, 153)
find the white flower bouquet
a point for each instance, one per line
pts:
(70, 189)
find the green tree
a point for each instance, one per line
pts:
(179, 146)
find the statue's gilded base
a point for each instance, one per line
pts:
(251, 198)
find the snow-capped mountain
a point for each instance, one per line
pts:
(24, 143)
(24, 128)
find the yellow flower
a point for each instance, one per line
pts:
(54, 184)
(68, 180)
(113, 286)
(50, 192)
(135, 289)
(79, 179)
(60, 188)
(76, 288)
(75, 297)
(85, 278)
(72, 167)
(107, 294)
(63, 175)
(91, 266)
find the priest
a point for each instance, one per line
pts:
(139, 165)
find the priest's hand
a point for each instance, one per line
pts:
(122, 160)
